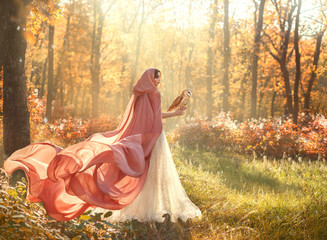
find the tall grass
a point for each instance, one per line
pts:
(246, 198)
(241, 197)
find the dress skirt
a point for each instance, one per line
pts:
(161, 194)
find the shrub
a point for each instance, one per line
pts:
(21, 219)
(73, 130)
(275, 137)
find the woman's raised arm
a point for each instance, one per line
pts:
(177, 112)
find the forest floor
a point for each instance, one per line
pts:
(241, 197)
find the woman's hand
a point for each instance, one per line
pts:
(180, 111)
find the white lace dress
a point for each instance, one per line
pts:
(162, 192)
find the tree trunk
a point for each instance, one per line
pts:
(32, 72)
(70, 85)
(181, 62)
(282, 48)
(95, 58)
(210, 57)
(272, 107)
(50, 73)
(171, 72)
(288, 92)
(283, 63)
(256, 50)
(16, 126)
(138, 47)
(261, 94)
(307, 97)
(188, 79)
(298, 64)
(75, 112)
(44, 76)
(124, 61)
(62, 61)
(188, 69)
(243, 97)
(4, 24)
(83, 108)
(226, 58)
(92, 68)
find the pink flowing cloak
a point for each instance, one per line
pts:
(107, 170)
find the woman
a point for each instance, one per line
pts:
(162, 192)
(108, 170)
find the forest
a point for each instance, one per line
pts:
(251, 150)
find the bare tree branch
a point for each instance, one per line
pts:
(315, 20)
(133, 20)
(281, 24)
(272, 43)
(110, 6)
(290, 54)
(271, 53)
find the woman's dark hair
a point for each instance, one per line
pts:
(157, 73)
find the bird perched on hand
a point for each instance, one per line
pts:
(181, 100)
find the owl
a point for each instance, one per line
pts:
(181, 100)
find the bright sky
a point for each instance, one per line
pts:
(179, 10)
(240, 7)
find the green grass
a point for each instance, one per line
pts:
(240, 198)
(245, 198)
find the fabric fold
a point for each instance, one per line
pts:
(107, 170)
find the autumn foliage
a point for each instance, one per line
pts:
(65, 131)
(180, 52)
(21, 219)
(274, 138)
(73, 130)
